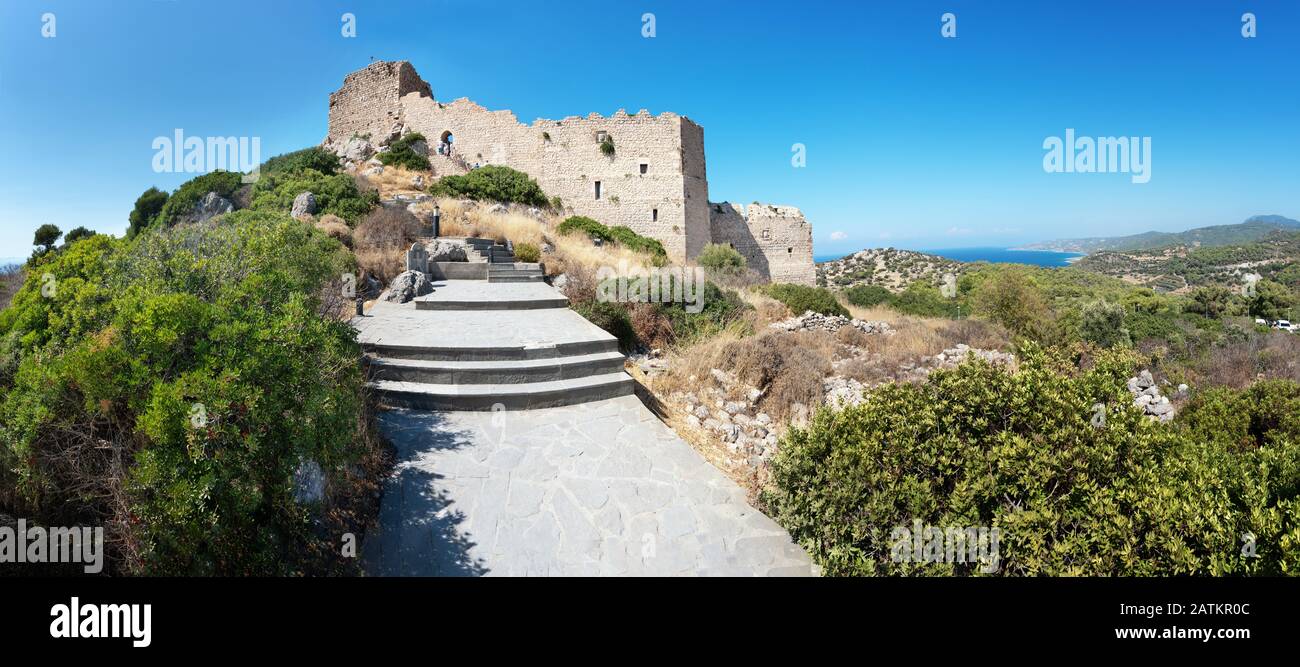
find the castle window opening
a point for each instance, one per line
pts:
(767, 234)
(644, 167)
(789, 251)
(601, 136)
(597, 189)
(654, 215)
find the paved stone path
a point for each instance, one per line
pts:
(601, 488)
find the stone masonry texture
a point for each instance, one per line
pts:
(655, 183)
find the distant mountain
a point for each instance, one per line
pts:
(1253, 229)
(1181, 268)
(6, 261)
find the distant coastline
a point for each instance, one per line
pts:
(994, 255)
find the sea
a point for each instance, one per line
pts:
(1049, 258)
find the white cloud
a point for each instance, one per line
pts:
(958, 231)
(838, 236)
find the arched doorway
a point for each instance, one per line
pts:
(445, 143)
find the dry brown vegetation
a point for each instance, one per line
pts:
(1271, 356)
(381, 239)
(11, 279)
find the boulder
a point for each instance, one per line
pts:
(447, 251)
(1145, 380)
(304, 204)
(408, 285)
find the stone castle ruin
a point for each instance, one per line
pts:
(653, 181)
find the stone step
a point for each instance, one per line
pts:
(534, 303)
(497, 278)
(518, 266)
(495, 372)
(491, 353)
(519, 396)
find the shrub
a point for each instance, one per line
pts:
(980, 446)
(493, 183)
(172, 389)
(528, 252)
(381, 240)
(335, 195)
(607, 146)
(802, 298)
(314, 158)
(1103, 324)
(629, 239)
(585, 225)
(923, 300)
(721, 309)
(182, 202)
(1011, 299)
(613, 318)
(721, 258)
(621, 235)
(867, 296)
(147, 207)
(401, 154)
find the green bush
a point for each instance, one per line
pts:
(401, 154)
(187, 373)
(182, 202)
(631, 240)
(337, 194)
(315, 158)
(46, 236)
(77, 234)
(866, 296)
(721, 258)
(492, 183)
(1020, 451)
(619, 234)
(147, 207)
(923, 300)
(612, 317)
(721, 309)
(1103, 324)
(802, 298)
(527, 252)
(583, 224)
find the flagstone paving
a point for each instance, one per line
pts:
(595, 489)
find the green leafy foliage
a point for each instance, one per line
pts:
(527, 252)
(188, 373)
(802, 298)
(612, 317)
(1103, 324)
(46, 236)
(314, 158)
(722, 259)
(182, 202)
(492, 183)
(401, 154)
(1020, 451)
(866, 296)
(147, 207)
(335, 194)
(624, 236)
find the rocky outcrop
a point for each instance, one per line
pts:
(210, 206)
(447, 251)
(811, 321)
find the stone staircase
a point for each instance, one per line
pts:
(500, 260)
(474, 345)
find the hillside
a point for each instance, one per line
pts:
(890, 268)
(1181, 267)
(1252, 229)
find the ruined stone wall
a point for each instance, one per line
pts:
(369, 103)
(643, 186)
(656, 183)
(776, 241)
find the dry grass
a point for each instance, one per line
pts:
(11, 279)
(1271, 356)
(336, 228)
(381, 240)
(396, 181)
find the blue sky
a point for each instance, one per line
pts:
(913, 140)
